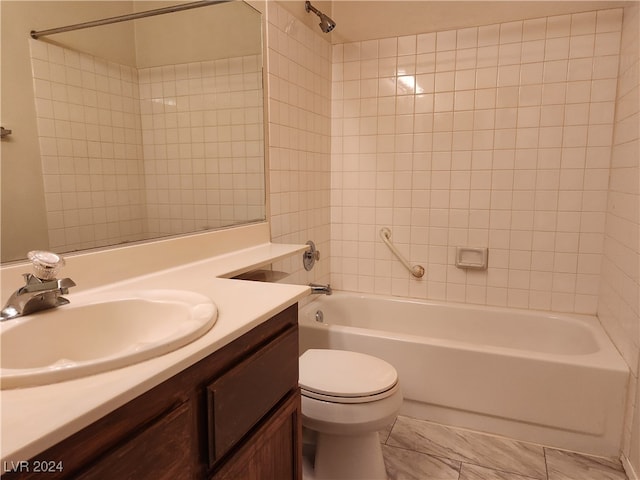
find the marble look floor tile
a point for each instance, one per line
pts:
(465, 446)
(572, 466)
(475, 472)
(384, 433)
(409, 465)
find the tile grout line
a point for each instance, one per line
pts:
(546, 464)
(545, 451)
(390, 430)
(494, 469)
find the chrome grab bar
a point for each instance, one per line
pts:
(417, 270)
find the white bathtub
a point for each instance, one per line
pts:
(546, 378)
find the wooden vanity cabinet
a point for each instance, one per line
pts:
(233, 415)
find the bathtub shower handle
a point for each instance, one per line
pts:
(416, 270)
(310, 256)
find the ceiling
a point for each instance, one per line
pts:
(371, 19)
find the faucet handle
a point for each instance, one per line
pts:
(46, 265)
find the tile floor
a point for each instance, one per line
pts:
(419, 450)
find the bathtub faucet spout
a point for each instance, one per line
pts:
(317, 289)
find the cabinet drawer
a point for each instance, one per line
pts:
(160, 451)
(274, 451)
(240, 398)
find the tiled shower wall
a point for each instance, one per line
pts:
(299, 85)
(87, 112)
(203, 141)
(619, 304)
(130, 154)
(495, 136)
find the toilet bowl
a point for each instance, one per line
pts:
(346, 398)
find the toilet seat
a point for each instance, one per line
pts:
(340, 376)
(339, 399)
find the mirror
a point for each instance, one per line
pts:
(144, 129)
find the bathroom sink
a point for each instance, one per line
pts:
(98, 333)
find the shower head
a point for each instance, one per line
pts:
(326, 24)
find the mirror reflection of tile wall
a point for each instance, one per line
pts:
(132, 154)
(203, 142)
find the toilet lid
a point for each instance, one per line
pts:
(340, 373)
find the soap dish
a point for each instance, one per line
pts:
(472, 258)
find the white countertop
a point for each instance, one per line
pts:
(36, 418)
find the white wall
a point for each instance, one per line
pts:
(216, 31)
(521, 165)
(619, 300)
(495, 136)
(299, 89)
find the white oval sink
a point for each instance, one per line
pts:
(100, 333)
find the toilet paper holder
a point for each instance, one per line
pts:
(472, 258)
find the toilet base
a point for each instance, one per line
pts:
(349, 457)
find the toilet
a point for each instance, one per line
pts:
(347, 397)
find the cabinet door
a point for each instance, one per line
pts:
(160, 451)
(240, 398)
(274, 451)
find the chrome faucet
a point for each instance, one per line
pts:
(317, 289)
(41, 290)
